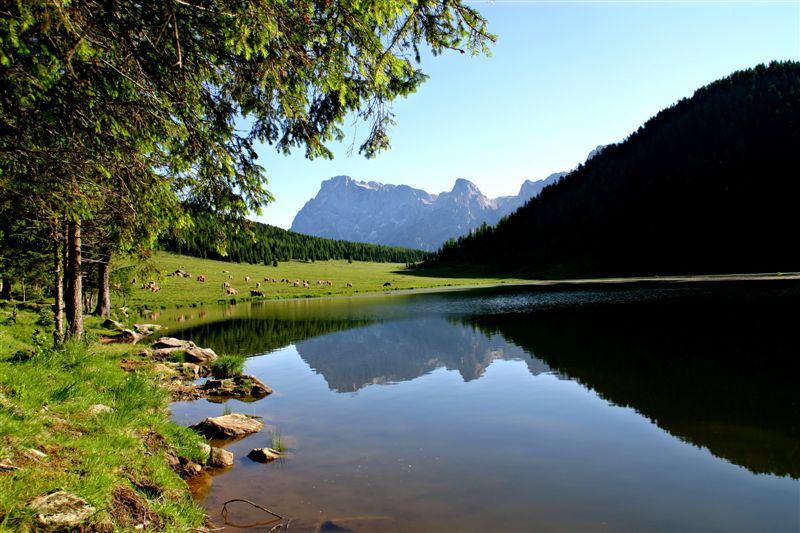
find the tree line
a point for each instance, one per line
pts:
(257, 243)
(115, 113)
(706, 186)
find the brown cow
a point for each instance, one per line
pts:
(231, 290)
(201, 278)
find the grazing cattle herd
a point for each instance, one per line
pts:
(229, 290)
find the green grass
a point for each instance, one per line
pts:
(227, 366)
(46, 394)
(276, 441)
(181, 292)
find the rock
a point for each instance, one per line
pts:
(7, 466)
(192, 369)
(60, 511)
(171, 342)
(125, 336)
(34, 454)
(147, 329)
(220, 458)
(243, 386)
(200, 355)
(228, 426)
(98, 409)
(264, 455)
(112, 324)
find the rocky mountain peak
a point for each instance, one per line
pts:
(399, 215)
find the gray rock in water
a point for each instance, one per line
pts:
(243, 386)
(60, 511)
(264, 455)
(220, 458)
(228, 426)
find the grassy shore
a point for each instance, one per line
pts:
(180, 291)
(51, 438)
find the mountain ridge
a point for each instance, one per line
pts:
(400, 215)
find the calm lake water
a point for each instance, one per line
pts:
(637, 409)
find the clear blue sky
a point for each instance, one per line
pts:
(564, 77)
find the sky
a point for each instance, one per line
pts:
(563, 78)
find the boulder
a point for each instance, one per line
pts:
(60, 511)
(171, 342)
(220, 458)
(125, 336)
(147, 329)
(192, 369)
(113, 324)
(228, 426)
(200, 355)
(264, 455)
(243, 386)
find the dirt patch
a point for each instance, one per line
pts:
(129, 510)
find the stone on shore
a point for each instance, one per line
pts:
(172, 342)
(60, 511)
(228, 426)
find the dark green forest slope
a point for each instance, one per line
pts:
(267, 244)
(709, 185)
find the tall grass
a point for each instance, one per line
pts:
(45, 395)
(227, 366)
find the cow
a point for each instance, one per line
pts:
(225, 285)
(231, 290)
(387, 284)
(201, 278)
(258, 285)
(349, 285)
(305, 284)
(296, 283)
(247, 279)
(256, 293)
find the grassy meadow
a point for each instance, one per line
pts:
(180, 291)
(54, 440)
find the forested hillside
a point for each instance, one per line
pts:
(268, 244)
(707, 185)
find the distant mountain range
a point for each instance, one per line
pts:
(399, 215)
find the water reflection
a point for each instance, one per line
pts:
(545, 411)
(404, 350)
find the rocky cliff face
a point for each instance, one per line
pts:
(398, 215)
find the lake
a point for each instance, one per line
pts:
(516, 409)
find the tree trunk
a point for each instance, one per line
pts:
(74, 291)
(103, 308)
(6, 287)
(58, 306)
(67, 275)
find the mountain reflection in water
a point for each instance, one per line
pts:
(403, 350)
(714, 367)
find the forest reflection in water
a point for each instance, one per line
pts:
(714, 367)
